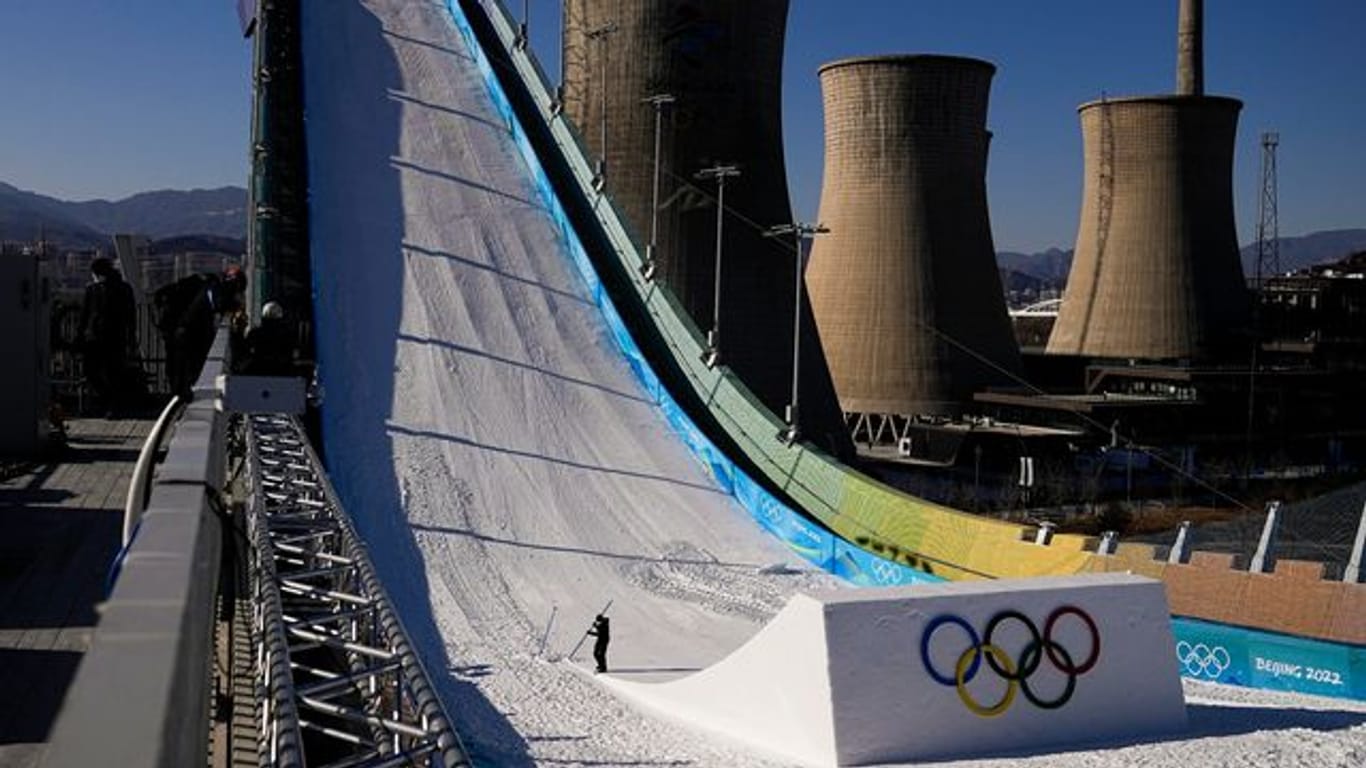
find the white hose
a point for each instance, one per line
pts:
(134, 504)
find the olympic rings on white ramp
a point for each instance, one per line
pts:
(1016, 673)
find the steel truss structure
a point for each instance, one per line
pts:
(877, 428)
(338, 680)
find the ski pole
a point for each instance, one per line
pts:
(549, 623)
(579, 645)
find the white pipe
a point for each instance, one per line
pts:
(135, 502)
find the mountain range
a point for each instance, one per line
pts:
(1296, 253)
(26, 216)
(219, 216)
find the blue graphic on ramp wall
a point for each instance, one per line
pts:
(1238, 656)
(812, 542)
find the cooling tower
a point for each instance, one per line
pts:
(1156, 271)
(905, 287)
(722, 63)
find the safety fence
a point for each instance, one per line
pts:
(146, 373)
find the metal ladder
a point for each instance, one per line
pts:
(338, 680)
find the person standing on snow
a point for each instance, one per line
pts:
(601, 630)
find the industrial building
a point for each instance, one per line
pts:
(1155, 370)
(1156, 275)
(905, 287)
(718, 66)
(1317, 316)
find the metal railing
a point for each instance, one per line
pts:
(341, 681)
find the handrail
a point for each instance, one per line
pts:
(138, 485)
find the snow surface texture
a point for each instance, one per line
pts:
(501, 461)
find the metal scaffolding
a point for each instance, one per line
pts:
(339, 682)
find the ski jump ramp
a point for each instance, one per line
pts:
(498, 454)
(509, 472)
(945, 671)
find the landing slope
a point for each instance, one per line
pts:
(481, 426)
(501, 461)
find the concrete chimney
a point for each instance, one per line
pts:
(905, 287)
(1156, 273)
(1190, 49)
(722, 61)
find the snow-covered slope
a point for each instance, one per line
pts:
(495, 449)
(479, 423)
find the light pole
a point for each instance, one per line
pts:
(659, 100)
(600, 35)
(557, 105)
(976, 475)
(800, 231)
(720, 173)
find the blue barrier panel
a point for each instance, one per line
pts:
(812, 542)
(1258, 659)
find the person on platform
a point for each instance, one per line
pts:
(602, 631)
(269, 347)
(108, 328)
(187, 315)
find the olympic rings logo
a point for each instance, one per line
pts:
(1201, 660)
(1017, 674)
(885, 572)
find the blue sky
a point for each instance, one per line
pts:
(104, 98)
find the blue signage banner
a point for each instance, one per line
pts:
(1257, 659)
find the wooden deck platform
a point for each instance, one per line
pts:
(60, 523)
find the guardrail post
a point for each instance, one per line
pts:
(1044, 536)
(1265, 556)
(1181, 549)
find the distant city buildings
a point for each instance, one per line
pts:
(146, 264)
